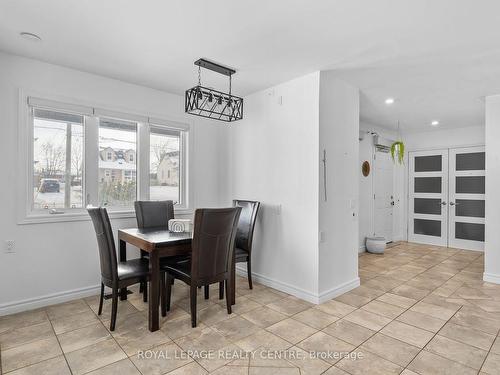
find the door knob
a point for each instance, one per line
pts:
(452, 203)
(443, 203)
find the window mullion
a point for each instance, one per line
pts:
(91, 160)
(143, 161)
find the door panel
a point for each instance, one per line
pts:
(467, 204)
(428, 171)
(384, 195)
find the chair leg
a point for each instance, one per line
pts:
(168, 291)
(163, 300)
(193, 296)
(101, 299)
(249, 270)
(145, 291)
(114, 308)
(221, 290)
(207, 291)
(228, 296)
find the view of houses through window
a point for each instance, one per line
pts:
(164, 161)
(117, 168)
(57, 160)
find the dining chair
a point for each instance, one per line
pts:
(115, 275)
(152, 214)
(244, 235)
(211, 256)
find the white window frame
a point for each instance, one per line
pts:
(91, 114)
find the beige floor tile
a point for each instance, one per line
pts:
(163, 359)
(125, 308)
(492, 364)
(315, 318)
(71, 322)
(326, 347)
(427, 363)
(23, 319)
(308, 365)
(202, 340)
(94, 356)
(244, 305)
(367, 319)
(468, 336)
(263, 339)
(265, 358)
(349, 332)
(365, 291)
(264, 316)
(123, 367)
(335, 308)
(408, 372)
(54, 366)
(391, 349)
(213, 314)
(369, 364)
(82, 337)
(384, 309)
(289, 306)
(420, 320)
(25, 335)
(220, 358)
(335, 371)
(67, 308)
(265, 296)
(180, 327)
(272, 371)
(472, 320)
(409, 334)
(409, 291)
(134, 335)
(231, 370)
(291, 330)
(353, 299)
(236, 328)
(396, 300)
(456, 351)
(192, 368)
(434, 310)
(495, 348)
(28, 354)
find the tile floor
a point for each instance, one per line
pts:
(420, 310)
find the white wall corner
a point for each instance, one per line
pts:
(491, 278)
(339, 290)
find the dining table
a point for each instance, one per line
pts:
(159, 243)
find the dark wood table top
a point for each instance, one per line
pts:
(153, 238)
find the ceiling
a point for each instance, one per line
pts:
(437, 58)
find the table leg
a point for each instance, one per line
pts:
(154, 291)
(123, 258)
(233, 281)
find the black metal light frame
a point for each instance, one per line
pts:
(210, 103)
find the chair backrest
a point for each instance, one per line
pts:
(152, 214)
(105, 242)
(246, 225)
(213, 243)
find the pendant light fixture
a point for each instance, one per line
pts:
(207, 102)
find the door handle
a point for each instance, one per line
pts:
(452, 203)
(443, 203)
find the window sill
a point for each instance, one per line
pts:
(83, 216)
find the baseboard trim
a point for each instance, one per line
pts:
(491, 278)
(47, 300)
(341, 289)
(279, 285)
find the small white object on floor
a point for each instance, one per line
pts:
(375, 245)
(179, 225)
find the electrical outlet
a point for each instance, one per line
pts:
(10, 246)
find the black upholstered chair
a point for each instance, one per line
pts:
(211, 256)
(153, 214)
(115, 275)
(244, 235)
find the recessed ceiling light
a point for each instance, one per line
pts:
(435, 123)
(30, 36)
(389, 101)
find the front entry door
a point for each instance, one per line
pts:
(384, 195)
(466, 198)
(428, 193)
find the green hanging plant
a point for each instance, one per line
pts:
(398, 151)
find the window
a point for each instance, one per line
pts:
(81, 155)
(121, 137)
(57, 160)
(164, 164)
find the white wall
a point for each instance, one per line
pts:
(274, 161)
(58, 261)
(338, 215)
(492, 218)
